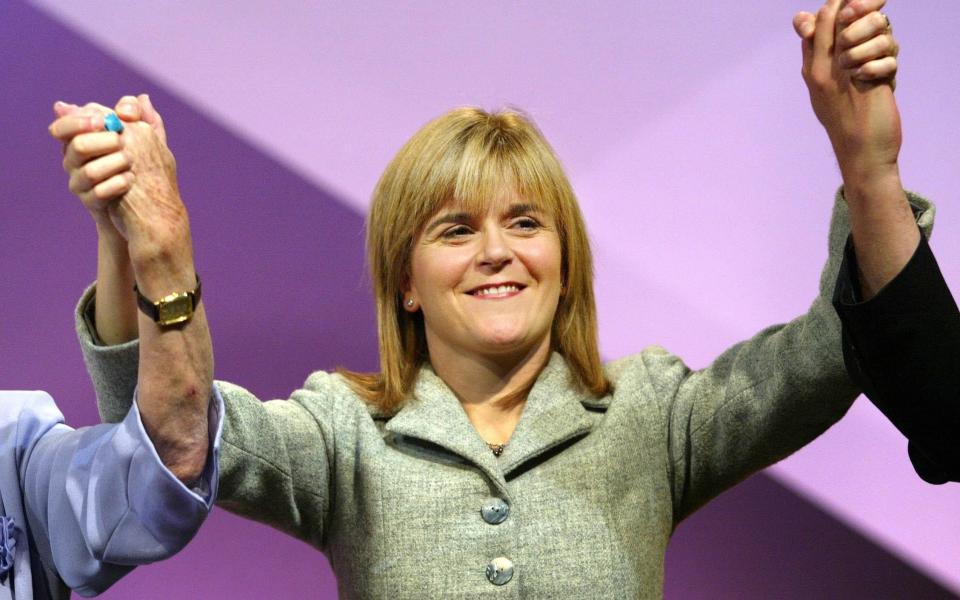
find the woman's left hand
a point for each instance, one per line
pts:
(849, 66)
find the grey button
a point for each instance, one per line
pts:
(495, 511)
(500, 570)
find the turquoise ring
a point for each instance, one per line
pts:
(113, 123)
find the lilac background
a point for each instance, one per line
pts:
(685, 128)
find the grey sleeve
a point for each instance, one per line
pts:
(112, 369)
(764, 398)
(276, 458)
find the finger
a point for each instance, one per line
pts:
(873, 49)
(867, 27)
(95, 108)
(857, 9)
(88, 146)
(113, 187)
(883, 68)
(68, 126)
(61, 108)
(150, 115)
(823, 37)
(804, 24)
(128, 108)
(97, 171)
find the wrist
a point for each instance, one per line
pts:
(107, 233)
(860, 185)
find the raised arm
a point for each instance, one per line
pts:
(128, 184)
(849, 65)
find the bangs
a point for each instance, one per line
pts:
(500, 153)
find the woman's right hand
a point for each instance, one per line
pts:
(93, 158)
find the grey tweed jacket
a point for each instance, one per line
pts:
(583, 500)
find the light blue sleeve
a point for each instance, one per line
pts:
(99, 501)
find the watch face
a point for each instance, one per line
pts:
(175, 308)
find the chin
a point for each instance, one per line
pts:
(507, 342)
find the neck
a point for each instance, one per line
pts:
(492, 390)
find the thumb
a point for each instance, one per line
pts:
(150, 115)
(804, 24)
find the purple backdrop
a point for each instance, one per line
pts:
(686, 131)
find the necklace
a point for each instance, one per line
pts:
(497, 449)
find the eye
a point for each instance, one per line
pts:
(526, 224)
(455, 232)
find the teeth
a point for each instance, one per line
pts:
(503, 289)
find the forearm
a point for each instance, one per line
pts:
(882, 226)
(116, 308)
(176, 371)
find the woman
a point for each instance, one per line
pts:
(492, 449)
(80, 508)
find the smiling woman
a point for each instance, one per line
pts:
(487, 326)
(476, 199)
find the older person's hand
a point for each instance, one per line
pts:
(850, 65)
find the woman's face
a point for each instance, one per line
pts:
(488, 284)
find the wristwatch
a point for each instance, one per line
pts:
(172, 309)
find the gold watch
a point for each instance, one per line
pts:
(172, 309)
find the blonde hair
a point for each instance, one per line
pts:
(467, 156)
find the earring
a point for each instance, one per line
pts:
(410, 303)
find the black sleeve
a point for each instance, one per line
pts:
(902, 347)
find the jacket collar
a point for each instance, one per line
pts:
(552, 415)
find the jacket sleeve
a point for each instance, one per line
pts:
(762, 399)
(98, 500)
(903, 348)
(276, 455)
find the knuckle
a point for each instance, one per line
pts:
(103, 191)
(89, 171)
(75, 187)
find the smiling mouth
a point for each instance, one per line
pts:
(503, 290)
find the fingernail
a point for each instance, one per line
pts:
(845, 15)
(126, 108)
(59, 104)
(96, 122)
(807, 28)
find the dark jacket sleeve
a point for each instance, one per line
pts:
(903, 348)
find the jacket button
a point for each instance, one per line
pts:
(500, 570)
(495, 511)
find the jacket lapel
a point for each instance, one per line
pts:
(435, 415)
(553, 415)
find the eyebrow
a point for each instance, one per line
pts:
(514, 210)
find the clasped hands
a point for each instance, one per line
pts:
(128, 183)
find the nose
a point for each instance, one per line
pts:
(495, 250)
